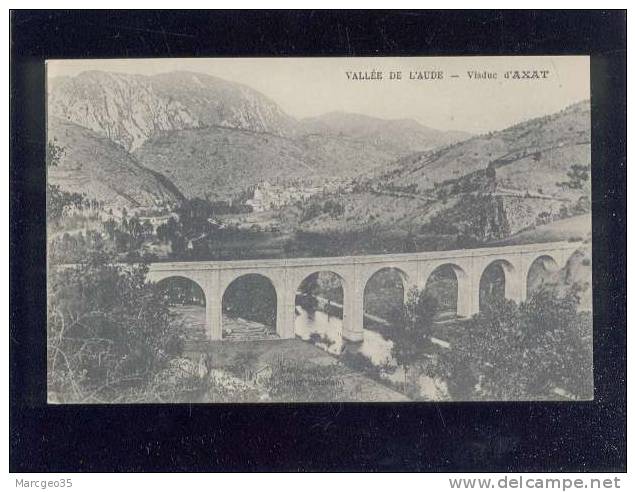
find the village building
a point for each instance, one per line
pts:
(157, 220)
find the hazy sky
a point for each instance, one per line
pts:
(312, 86)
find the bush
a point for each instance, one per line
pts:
(109, 333)
(521, 352)
(412, 333)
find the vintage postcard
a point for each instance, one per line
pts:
(319, 229)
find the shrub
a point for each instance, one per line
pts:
(412, 333)
(525, 351)
(109, 332)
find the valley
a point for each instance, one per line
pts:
(160, 184)
(242, 179)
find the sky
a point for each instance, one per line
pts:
(305, 87)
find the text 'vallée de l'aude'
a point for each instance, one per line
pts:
(378, 75)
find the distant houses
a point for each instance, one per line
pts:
(266, 196)
(157, 220)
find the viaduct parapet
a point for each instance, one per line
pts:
(286, 275)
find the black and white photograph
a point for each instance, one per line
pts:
(247, 242)
(256, 230)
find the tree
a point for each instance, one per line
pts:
(110, 226)
(109, 332)
(413, 329)
(167, 232)
(193, 216)
(578, 177)
(146, 229)
(521, 351)
(311, 211)
(54, 153)
(134, 227)
(409, 244)
(309, 286)
(57, 200)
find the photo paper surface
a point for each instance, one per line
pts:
(253, 230)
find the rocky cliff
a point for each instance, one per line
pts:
(129, 109)
(214, 138)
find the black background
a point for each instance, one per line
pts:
(554, 436)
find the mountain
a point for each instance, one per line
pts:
(215, 138)
(479, 190)
(400, 136)
(217, 102)
(218, 163)
(94, 165)
(141, 141)
(531, 156)
(129, 109)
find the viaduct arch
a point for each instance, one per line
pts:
(286, 275)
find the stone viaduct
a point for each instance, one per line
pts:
(286, 276)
